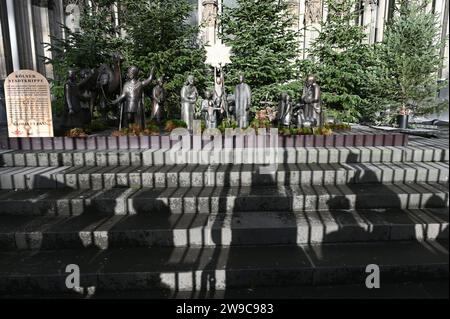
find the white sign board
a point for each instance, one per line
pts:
(28, 106)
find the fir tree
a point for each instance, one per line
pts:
(159, 35)
(412, 52)
(348, 70)
(264, 46)
(95, 44)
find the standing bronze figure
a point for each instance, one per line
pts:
(72, 116)
(132, 111)
(158, 99)
(311, 100)
(189, 95)
(220, 95)
(88, 93)
(243, 101)
(285, 110)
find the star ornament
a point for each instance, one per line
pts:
(218, 55)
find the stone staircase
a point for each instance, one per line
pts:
(140, 220)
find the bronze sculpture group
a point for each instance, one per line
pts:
(105, 82)
(307, 113)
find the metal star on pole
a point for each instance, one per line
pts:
(218, 55)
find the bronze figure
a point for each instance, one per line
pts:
(189, 95)
(132, 110)
(158, 99)
(88, 93)
(311, 100)
(285, 110)
(210, 110)
(72, 116)
(243, 100)
(220, 95)
(109, 80)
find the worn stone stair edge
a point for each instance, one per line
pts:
(220, 175)
(231, 156)
(227, 199)
(258, 228)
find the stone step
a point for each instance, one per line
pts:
(433, 289)
(98, 178)
(321, 155)
(218, 268)
(236, 229)
(223, 199)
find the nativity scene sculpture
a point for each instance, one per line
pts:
(81, 99)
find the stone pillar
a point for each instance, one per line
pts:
(13, 35)
(381, 20)
(42, 28)
(32, 40)
(294, 11)
(313, 18)
(373, 7)
(209, 21)
(442, 10)
(3, 118)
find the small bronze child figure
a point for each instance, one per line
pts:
(209, 109)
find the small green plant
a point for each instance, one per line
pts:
(338, 126)
(170, 125)
(96, 125)
(305, 131)
(324, 131)
(153, 128)
(285, 131)
(227, 123)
